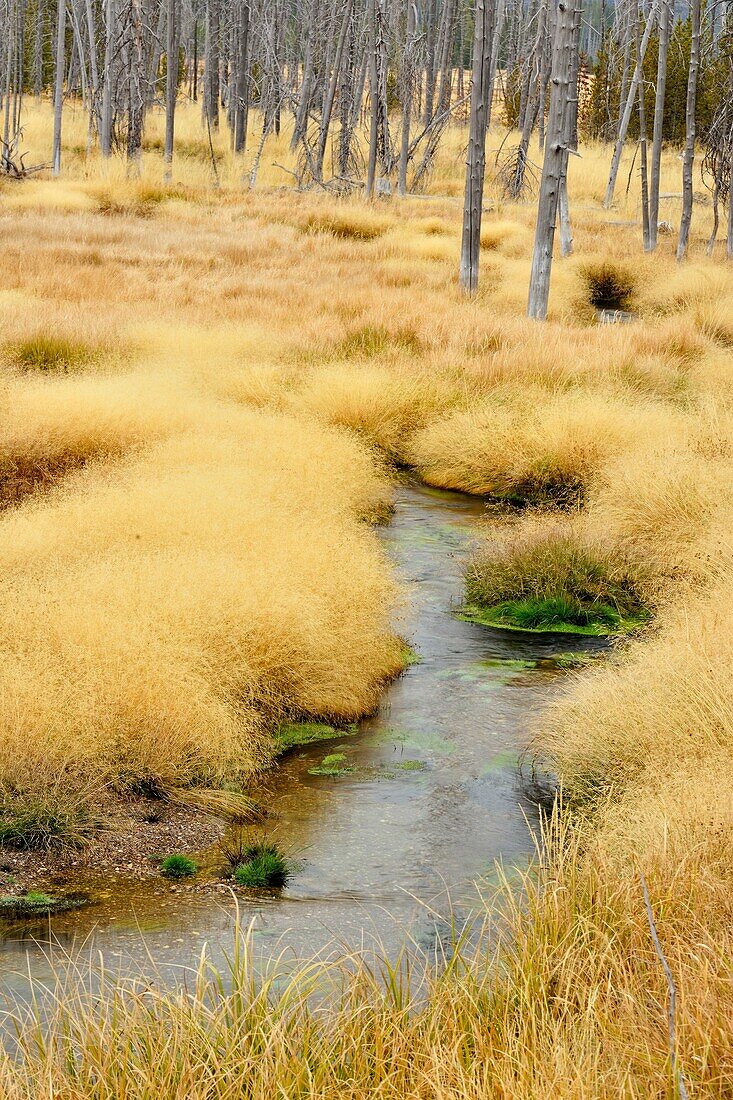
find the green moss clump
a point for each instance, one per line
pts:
(291, 735)
(263, 866)
(334, 765)
(35, 904)
(178, 867)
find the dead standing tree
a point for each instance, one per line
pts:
(481, 87)
(556, 147)
(688, 156)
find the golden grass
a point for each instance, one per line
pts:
(162, 615)
(208, 570)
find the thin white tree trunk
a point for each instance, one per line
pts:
(552, 166)
(626, 117)
(476, 162)
(58, 96)
(656, 167)
(689, 153)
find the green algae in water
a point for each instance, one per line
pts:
(293, 735)
(503, 617)
(333, 765)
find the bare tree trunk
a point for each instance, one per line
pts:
(58, 96)
(38, 51)
(137, 94)
(688, 156)
(407, 78)
(241, 112)
(105, 137)
(374, 97)
(211, 65)
(432, 17)
(483, 52)
(171, 84)
(642, 144)
(626, 117)
(571, 142)
(331, 94)
(301, 119)
(664, 21)
(552, 166)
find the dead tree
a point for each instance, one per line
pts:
(555, 152)
(688, 156)
(659, 92)
(58, 95)
(171, 84)
(629, 105)
(483, 52)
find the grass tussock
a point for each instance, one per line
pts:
(549, 575)
(530, 447)
(48, 354)
(609, 284)
(349, 223)
(162, 618)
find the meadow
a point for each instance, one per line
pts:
(207, 391)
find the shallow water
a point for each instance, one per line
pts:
(432, 801)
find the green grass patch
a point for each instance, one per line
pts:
(263, 866)
(35, 904)
(46, 354)
(178, 866)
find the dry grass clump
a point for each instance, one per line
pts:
(50, 425)
(527, 445)
(506, 237)
(369, 341)
(135, 198)
(159, 620)
(348, 223)
(44, 353)
(661, 509)
(664, 703)
(546, 571)
(386, 407)
(609, 284)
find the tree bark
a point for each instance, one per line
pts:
(374, 98)
(659, 93)
(171, 84)
(552, 166)
(688, 156)
(105, 137)
(628, 108)
(58, 96)
(481, 86)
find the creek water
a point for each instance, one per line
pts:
(432, 800)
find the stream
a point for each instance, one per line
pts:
(397, 843)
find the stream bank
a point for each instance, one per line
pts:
(427, 800)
